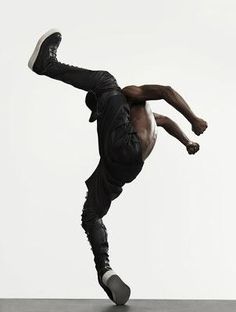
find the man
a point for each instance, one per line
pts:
(126, 129)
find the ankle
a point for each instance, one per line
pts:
(102, 270)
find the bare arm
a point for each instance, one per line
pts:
(173, 129)
(157, 92)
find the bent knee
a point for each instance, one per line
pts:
(87, 220)
(106, 74)
(107, 80)
(91, 213)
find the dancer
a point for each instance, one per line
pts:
(127, 132)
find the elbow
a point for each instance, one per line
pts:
(162, 121)
(167, 91)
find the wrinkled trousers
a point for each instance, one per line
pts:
(119, 149)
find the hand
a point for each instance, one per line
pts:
(199, 126)
(192, 147)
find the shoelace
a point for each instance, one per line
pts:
(53, 53)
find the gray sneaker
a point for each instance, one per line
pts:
(115, 288)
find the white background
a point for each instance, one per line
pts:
(172, 231)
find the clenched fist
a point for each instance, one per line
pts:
(192, 147)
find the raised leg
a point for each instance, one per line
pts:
(82, 78)
(44, 61)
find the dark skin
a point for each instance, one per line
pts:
(145, 121)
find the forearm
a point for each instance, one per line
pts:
(172, 128)
(157, 92)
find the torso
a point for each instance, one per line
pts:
(143, 121)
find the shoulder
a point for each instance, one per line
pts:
(134, 95)
(132, 91)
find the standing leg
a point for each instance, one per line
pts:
(96, 232)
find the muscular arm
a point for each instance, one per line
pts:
(144, 93)
(159, 92)
(173, 129)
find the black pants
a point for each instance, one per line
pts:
(119, 149)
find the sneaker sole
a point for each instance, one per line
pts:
(38, 46)
(120, 291)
